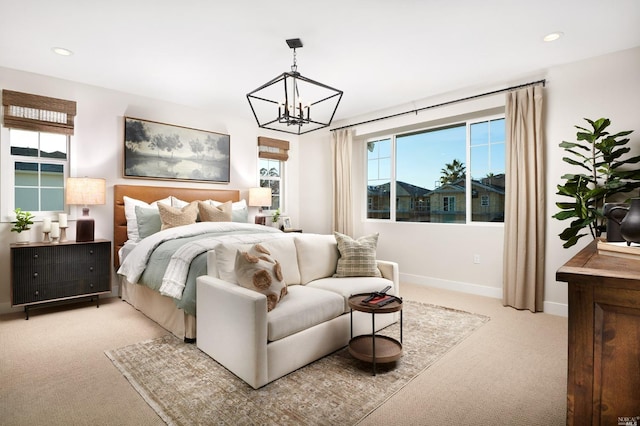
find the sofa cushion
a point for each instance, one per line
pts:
(317, 256)
(357, 257)
(302, 308)
(347, 287)
(283, 249)
(257, 270)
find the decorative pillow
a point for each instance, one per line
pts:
(130, 214)
(173, 216)
(209, 213)
(148, 219)
(258, 271)
(239, 210)
(357, 257)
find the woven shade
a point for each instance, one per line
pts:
(38, 113)
(274, 149)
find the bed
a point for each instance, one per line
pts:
(174, 313)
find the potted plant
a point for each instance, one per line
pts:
(23, 222)
(605, 173)
(275, 217)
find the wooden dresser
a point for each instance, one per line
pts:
(603, 384)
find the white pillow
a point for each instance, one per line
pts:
(130, 214)
(317, 256)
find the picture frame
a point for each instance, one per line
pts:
(154, 150)
(286, 222)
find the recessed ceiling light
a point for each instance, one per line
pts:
(553, 36)
(62, 51)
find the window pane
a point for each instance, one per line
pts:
(23, 142)
(488, 171)
(378, 179)
(430, 168)
(53, 145)
(52, 175)
(26, 174)
(52, 199)
(27, 199)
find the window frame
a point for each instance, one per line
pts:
(8, 162)
(280, 179)
(393, 179)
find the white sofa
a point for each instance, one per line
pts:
(311, 321)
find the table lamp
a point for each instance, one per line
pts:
(260, 197)
(85, 192)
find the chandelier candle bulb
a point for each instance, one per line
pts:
(62, 220)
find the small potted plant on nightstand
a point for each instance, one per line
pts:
(22, 225)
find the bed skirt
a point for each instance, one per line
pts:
(160, 309)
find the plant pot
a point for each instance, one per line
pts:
(23, 237)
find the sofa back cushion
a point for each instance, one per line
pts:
(317, 256)
(282, 249)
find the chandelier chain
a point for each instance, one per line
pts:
(294, 67)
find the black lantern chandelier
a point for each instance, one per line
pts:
(293, 103)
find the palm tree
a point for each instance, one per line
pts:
(453, 172)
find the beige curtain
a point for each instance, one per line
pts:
(341, 150)
(523, 286)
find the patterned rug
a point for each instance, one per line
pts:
(187, 387)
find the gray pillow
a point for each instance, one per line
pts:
(148, 220)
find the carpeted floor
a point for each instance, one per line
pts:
(185, 386)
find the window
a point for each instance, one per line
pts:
(271, 177)
(272, 154)
(423, 176)
(40, 165)
(35, 161)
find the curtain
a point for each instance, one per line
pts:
(341, 150)
(523, 273)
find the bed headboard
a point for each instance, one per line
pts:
(149, 194)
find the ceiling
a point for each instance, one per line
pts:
(210, 53)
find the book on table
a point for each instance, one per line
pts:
(379, 300)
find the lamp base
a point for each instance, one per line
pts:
(85, 227)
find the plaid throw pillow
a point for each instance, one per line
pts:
(357, 257)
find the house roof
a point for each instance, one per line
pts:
(210, 54)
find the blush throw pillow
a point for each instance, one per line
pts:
(173, 216)
(357, 257)
(257, 270)
(220, 213)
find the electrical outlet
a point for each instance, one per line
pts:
(476, 258)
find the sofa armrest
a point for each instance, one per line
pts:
(390, 271)
(232, 328)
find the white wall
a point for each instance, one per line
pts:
(97, 148)
(441, 254)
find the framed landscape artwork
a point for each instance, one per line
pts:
(163, 151)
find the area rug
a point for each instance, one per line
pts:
(187, 387)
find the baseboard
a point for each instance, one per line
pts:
(551, 308)
(559, 309)
(462, 287)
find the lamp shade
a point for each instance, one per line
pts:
(86, 191)
(260, 197)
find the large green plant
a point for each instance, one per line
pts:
(600, 155)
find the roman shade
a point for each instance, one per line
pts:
(274, 149)
(38, 113)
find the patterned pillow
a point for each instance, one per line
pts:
(173, 216)
(258, 271)
(357, 257)
(209, 213)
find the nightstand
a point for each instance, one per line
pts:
(47, 272)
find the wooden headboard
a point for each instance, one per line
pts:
(149, 194)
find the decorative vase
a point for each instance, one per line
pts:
(630, 225)
(614, 212)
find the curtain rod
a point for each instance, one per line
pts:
(415, 111)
